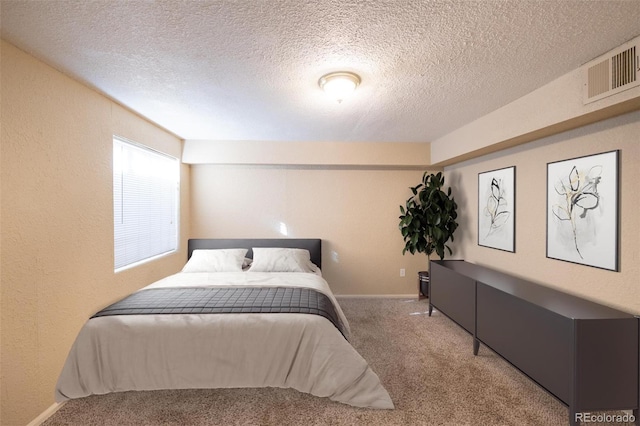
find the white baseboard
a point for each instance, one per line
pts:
(46, 414)
(377, 296)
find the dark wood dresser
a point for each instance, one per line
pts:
(583, 353)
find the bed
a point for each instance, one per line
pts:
(236, 335)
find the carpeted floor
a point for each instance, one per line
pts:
(426, 364)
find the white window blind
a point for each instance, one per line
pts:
(145, 203)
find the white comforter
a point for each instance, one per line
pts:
(150, 352)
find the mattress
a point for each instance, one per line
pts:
(236, 350)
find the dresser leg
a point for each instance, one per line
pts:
(572, 417)
(476, 346)
(636, 414)
(430, 307)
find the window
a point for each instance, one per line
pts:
(145, 203)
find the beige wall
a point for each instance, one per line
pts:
(617, 289)
(356, 154)
(57, 222)
(354, 211)
(554, 107)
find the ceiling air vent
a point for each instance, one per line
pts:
(613, 72)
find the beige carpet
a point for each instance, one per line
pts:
(426, 364)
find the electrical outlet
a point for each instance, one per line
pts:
(402, 272)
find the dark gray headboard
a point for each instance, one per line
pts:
(312, 244)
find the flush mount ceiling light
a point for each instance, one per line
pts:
(339, 84)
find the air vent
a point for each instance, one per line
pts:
(613, 72)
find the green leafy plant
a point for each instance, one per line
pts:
(428, 219)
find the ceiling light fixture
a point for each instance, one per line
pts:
(339, 84)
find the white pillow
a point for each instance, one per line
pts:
(281, 260)
(221, 260)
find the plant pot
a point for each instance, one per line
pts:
(423, 278)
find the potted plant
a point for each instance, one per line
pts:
(428, 219)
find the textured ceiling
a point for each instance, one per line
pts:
(248, 69)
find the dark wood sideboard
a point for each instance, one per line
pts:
(583, 353)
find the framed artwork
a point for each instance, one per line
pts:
(496, 209)
(582, 210)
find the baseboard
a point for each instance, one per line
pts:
(377, 296)
(46, 414)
